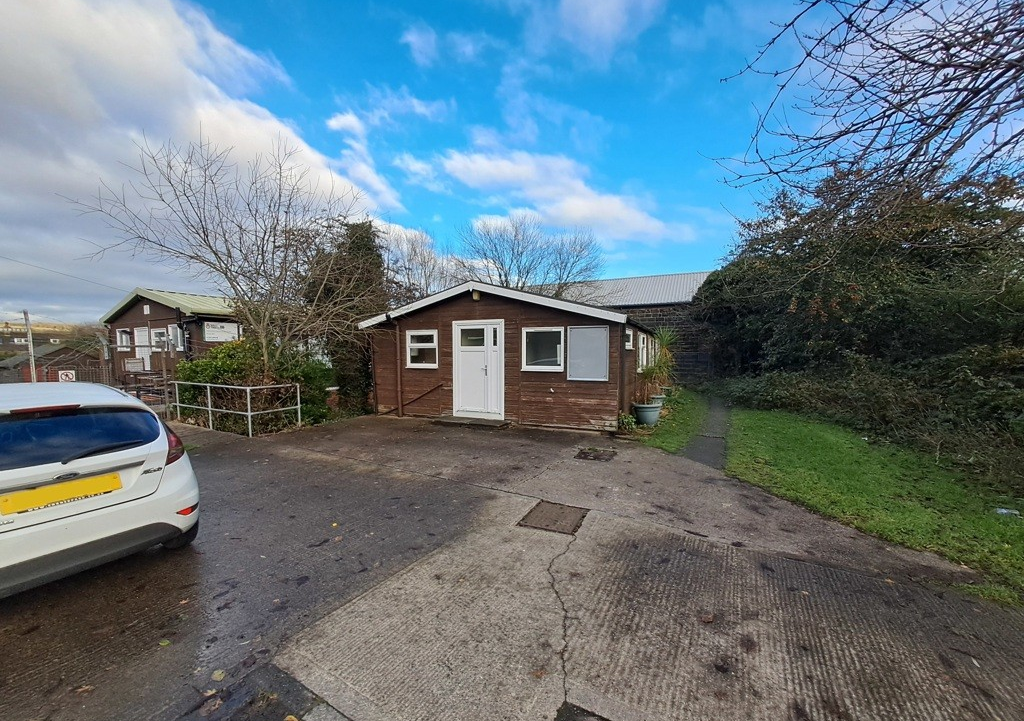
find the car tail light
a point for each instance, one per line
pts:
(188, 511)
(175, 448)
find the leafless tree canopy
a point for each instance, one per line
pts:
(517, 252)
(891, 91)
(259, 232)
(414, 265)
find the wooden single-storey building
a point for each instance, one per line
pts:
(150, 330)
(483, 351)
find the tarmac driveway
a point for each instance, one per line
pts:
(683, 595)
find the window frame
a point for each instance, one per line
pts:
(118, 337)
(154, 340)
(176, 336)
(561, 349)
(629, 339)
(607, 353)
(409, 345)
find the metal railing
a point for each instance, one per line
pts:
(248, 412)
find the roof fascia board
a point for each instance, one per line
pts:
(519, 295)
(119, 309)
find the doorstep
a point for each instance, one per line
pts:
(467, 421)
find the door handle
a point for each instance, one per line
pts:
(485, 370)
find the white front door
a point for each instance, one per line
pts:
(478, 382)
(142, 347)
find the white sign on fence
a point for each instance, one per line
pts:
(66, 376)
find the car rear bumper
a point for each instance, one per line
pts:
(47, 551)
(42, 569)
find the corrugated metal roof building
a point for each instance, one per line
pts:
(151, 330)
(662, 301)
(668, 289)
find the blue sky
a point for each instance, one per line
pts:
(606, 114)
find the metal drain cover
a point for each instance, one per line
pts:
(596, 454)
(555, 517)
(572, 712)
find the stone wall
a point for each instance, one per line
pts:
(692, 352)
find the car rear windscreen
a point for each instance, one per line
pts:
(64, 435)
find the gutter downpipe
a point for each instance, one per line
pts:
(398, 365)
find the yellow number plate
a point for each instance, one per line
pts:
(55, 493)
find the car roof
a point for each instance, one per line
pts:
(34, 395)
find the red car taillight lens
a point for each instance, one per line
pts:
(175, 448)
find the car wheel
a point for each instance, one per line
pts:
(184, 539)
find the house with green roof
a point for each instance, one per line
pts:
(150, 330)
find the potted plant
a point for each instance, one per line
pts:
(646, 408)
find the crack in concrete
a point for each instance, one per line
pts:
(565, 618)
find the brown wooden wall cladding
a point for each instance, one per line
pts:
(533, 397)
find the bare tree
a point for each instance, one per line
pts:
(517, 252)
(898, 93)
(261, 233)
(414, 265)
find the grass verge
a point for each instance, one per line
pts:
(898, 495)
(686, 413)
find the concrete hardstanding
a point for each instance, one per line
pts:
(637, 622)
(684, 594)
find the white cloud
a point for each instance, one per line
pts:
(598, 27)
(385, 105)
(469, 47)
(525, 111)
(556, 189)
(419, 172)
(422, 42)
(80, 83)
(358, 164)
(595, 29)
(347, 123)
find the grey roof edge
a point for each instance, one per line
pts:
(158, 296)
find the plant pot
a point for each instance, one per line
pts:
(658, 399)
(647, 413)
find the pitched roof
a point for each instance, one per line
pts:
(41, 351)
(189, 303)
(523, 296)
(647, 289)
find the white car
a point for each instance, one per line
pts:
(87, 474)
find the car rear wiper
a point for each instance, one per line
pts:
(105, 448)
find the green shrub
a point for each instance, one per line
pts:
(238, 363)
(964, 408)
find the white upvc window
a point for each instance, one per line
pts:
(124, 339)
(543, 349)
(641, 354)
(421, 349)
(177, 337)
(629, 339)
(159, 339)
(20, 341)
(588, 353)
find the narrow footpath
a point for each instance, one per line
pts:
(708, 446)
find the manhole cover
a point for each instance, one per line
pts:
(555, 517)
(596, 454)
(572, 712)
